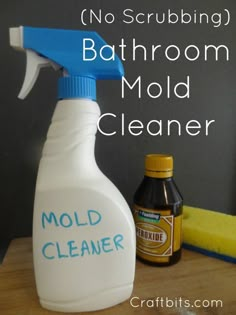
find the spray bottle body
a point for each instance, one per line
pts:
(83, 230)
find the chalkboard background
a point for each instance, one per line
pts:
(205, 167)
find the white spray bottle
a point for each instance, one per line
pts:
(83, 230)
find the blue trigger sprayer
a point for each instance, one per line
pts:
(83, 229)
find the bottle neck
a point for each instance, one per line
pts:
(71, 136)
(170, 178)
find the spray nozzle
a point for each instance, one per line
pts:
(66, 49)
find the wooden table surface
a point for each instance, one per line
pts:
(195, 277)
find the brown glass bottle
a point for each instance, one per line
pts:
(158, 213)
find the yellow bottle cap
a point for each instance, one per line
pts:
(159, 165)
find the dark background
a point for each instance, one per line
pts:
(205, 167)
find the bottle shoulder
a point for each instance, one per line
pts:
(158, 193)
(94, 183)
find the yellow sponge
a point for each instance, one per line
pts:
(211, 233)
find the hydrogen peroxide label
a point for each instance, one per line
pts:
(158, 233)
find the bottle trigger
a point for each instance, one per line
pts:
(33, 65)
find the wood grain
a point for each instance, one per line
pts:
(194, 277)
